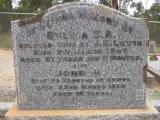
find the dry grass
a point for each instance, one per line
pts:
(158, 49)
(5, 40)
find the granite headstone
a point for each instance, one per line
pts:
(80, 56)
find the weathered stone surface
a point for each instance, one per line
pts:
(80, 56)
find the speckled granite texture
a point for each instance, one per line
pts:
(80, 56)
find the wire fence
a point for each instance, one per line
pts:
(12, 13)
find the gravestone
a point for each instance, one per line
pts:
(152, 46)
(80, 56)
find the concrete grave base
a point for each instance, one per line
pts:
(4, 107)
(147, 113)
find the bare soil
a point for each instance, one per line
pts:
(7, 76)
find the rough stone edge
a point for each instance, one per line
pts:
(38, 17)
(73, 4)
(14, 37)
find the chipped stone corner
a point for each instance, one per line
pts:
(31, 20)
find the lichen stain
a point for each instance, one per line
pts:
(103, 10)
(31, 20)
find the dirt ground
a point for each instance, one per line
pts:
(7, 76)
(153, 91)
(7, 79)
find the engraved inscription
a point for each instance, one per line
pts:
(81, 57)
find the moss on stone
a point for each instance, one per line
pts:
(31, 20)
(103, 10)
